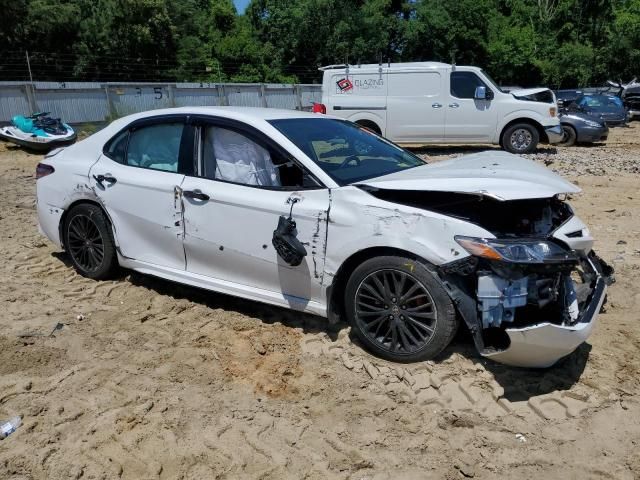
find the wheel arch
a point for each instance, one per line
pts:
(74, 204)
(370, 124)
(540, 129)
(369, 116)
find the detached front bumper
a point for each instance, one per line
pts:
(554, 133)
(543, 344)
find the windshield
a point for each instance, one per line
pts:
(491, 80)
(347, 152)
(601, 103)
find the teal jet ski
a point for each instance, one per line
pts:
(38, 132)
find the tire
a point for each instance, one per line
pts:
(89, 242)
(396, 332)
(570, 136)
(520, 138)
(369, 125)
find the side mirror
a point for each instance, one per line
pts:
(481, 93)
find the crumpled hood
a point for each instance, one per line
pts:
(495, 174)
(527, 91)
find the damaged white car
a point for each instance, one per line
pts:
(317, 214)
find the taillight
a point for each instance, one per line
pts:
(552, 111)
(42, 170)
(319, 108)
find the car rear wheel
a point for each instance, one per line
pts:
(369, 125)
(89, 242)
(399, 310)
(569, 137)
(520, 138)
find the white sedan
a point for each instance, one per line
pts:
(320, 215)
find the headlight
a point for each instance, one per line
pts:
(516, 251)
(591, 123)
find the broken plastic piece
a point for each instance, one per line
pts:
(285, 242)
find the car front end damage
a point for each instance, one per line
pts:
(531, 295)
(531, 289)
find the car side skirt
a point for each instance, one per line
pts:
(226, 287)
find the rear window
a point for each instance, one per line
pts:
(116, 149)
(347, 152)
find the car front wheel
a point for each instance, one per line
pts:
(89, 242)
(569, 136)
(520, 138)
(399, 310)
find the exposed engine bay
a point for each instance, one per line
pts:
(514, 218)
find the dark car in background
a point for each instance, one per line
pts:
(580, 127)
(607, 107)
(566, 97)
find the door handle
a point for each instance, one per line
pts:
(195, 195)
(104, 178)
(436, 105)
(454, 105)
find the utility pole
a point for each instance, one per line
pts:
(26, 52)
(32, 97)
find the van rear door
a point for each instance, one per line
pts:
(415, 107)
(358, 96)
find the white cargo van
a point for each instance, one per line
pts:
(431, 102)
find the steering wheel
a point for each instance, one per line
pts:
(348, 160)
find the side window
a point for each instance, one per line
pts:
(231, 156)
(117, 147)
(156, 147)
(463, 84)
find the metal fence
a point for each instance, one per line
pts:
(87, 102)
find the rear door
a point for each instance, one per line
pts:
(136, 179)
(415, 107)
(468, 119)
(357, 96)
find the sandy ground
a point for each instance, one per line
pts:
(147, 379)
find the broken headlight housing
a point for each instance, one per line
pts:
(529, 251)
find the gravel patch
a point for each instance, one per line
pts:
(620, 154)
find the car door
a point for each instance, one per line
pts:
(231, 209)
(469, 119)
(416, 107)
(136, 179)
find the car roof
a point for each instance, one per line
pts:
(246, 114)
(386, 66)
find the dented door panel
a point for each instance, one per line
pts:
(145, 214)
(229, 237)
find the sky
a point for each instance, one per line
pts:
(241, 5)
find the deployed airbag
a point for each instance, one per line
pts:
(231, 156)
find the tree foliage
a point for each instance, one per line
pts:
(525, 42)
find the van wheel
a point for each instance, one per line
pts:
(89, 242)
(569, 137)
(369, 125)
(399, 310)
(520, 138)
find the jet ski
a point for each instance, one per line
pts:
(38, 132)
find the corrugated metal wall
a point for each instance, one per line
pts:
(86, 102)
